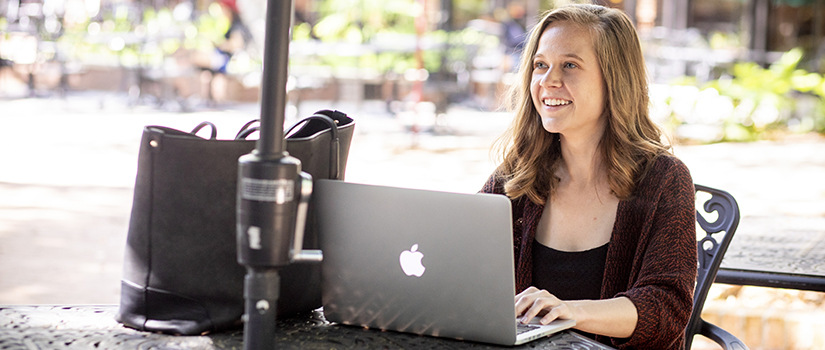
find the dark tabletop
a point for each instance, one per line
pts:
(87, 327)
(794, 260)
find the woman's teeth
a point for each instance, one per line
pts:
(556, 102)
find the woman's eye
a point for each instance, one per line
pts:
(539, 65)
(570, 65)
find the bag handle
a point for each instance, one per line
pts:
(204, 124)
(335, 144)
(332, 124)
(246, 130)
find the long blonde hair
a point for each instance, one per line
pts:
(531, 155)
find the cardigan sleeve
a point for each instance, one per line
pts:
(663, 272)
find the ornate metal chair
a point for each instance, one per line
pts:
(711, 249)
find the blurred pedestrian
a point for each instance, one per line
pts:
(214, 64)
(514, 34)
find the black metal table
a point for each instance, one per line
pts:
(94, 327)
(794, 260)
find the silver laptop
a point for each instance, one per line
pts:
(423, 262)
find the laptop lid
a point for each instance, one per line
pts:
(418, 261)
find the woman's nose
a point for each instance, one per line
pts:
(551, 78)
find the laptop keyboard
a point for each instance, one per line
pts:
(524, 328)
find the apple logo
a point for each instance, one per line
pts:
(411, 261)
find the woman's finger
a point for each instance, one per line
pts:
(528, 291)
(525, 299)
(552, 314)
(545, 303)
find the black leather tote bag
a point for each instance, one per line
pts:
(181, 274)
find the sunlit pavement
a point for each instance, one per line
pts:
(67, 169)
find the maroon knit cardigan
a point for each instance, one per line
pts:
(651, 258)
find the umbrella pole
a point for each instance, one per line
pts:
(273, 193)
(275, 75)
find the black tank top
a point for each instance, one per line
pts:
(569, 275)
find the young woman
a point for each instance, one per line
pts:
(604, 229)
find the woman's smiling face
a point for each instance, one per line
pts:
(567, 86)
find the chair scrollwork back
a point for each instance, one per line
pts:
(712, 246)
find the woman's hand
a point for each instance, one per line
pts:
(534, 302)
(616, 317)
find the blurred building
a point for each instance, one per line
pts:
(136, 46)
(734, 30)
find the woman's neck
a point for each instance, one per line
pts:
(582, 162)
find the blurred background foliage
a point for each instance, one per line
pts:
(748, 102)
(446, 52)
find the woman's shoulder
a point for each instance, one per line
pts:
(666, 172)
(668, 164)
(494, 184)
